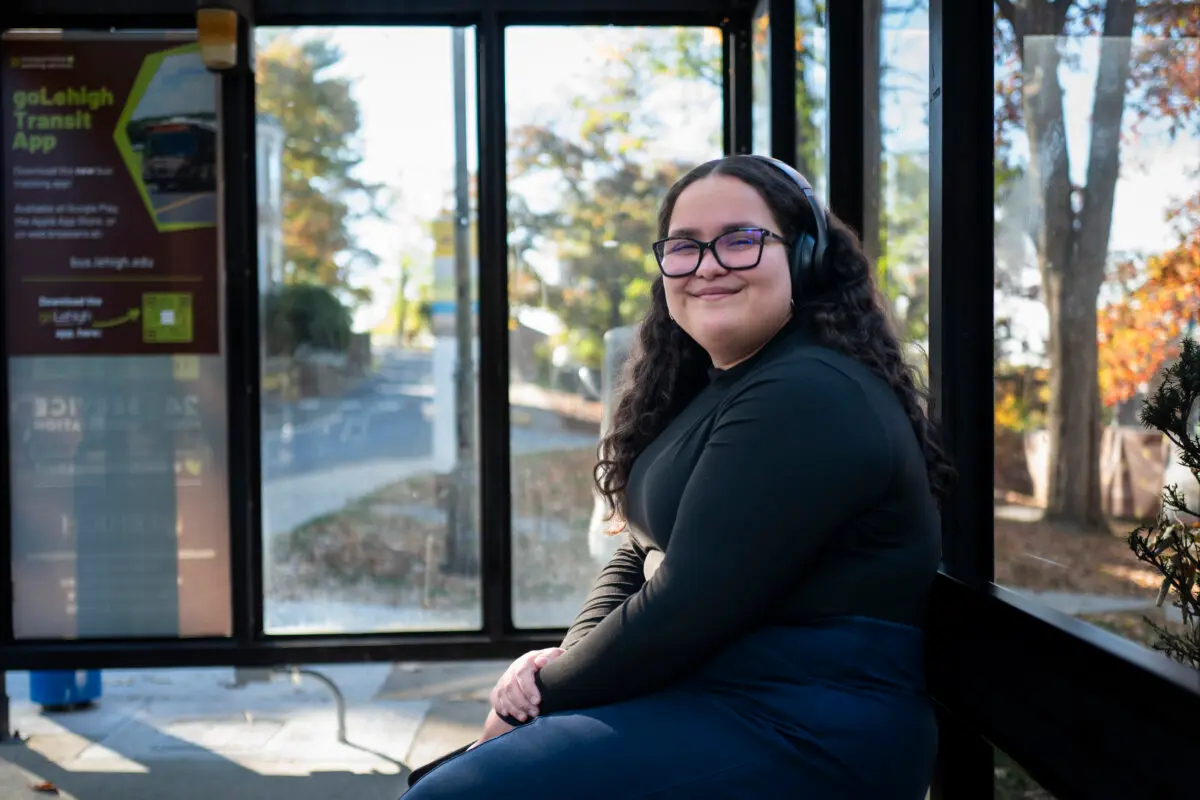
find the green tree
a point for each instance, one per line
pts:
(895, 233)
(609, 189)
(305, 315)
(408, 315)
(695, 54)
(322, 197)
(1070, 224)
(810, 103)
(902, 263)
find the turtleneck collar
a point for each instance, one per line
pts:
(789, 331)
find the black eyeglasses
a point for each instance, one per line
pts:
(680, 256)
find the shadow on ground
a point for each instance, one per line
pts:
(111, 753)
(185, 772)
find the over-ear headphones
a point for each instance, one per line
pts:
(810, 272)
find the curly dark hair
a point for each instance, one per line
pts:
(667, 368)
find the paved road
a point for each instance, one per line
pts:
(388, 416)
(173, 208)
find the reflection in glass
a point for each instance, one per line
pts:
(370, 516)
(593, 145)
(896, 134)
(1096, 286)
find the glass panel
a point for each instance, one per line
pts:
(760, 77)
(896, 135)
(370, 500)
(119, 475)
(594, 144)
(812, 91)
(1097, 233)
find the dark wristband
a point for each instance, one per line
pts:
(516, 723)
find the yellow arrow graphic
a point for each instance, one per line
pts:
(129, 316)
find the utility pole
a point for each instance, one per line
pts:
(462, 546)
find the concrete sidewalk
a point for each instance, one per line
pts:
(184, 735)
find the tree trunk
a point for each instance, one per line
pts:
(1073, 243)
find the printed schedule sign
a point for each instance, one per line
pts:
(112, 170)
(117, 393)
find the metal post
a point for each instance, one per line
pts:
(845, 108)
(495, 469)
(781, 43)
(462, 549)
(960, 333)
(239, 236)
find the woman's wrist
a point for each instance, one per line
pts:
(513, 721)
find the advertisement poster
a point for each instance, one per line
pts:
(117, 394)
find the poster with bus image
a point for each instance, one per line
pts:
(170, 125)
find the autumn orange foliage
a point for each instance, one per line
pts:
(1142, 330)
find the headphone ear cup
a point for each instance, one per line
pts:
(802, 262)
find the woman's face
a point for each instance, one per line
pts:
(730, 313)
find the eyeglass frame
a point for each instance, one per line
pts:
(712, 245)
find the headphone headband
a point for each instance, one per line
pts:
(816, 262)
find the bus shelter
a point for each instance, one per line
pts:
(197, 427)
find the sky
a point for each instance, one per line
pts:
(403, 83)
(180, 86)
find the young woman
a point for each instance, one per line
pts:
(759, 634)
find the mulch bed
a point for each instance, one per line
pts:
(378, 548)
(1040, 556)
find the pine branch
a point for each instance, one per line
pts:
(1172, 545)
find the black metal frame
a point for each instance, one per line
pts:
(844, 22)
(1079, 708)
(960, 331)
(1069, 702)
(494, 464)
(242, 362)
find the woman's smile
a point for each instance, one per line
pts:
(712, 294)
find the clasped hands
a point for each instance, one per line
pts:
(515, 694)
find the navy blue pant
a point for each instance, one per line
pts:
(835, 710)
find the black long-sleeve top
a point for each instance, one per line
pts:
(792, 488)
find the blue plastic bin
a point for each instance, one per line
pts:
(55, 688)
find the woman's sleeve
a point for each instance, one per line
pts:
(789, 461)
(621, 577)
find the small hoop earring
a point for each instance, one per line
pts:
(792, 304)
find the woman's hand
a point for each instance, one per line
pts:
(515, 694)
(493, 726)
